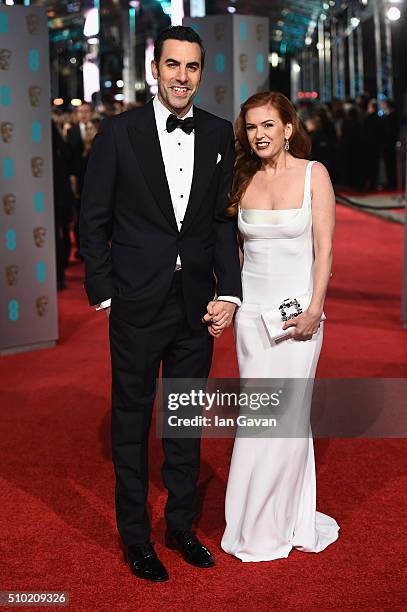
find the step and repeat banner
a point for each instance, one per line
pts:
(236, 63)
(28, 306)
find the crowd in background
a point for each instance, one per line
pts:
(355, 139)
(72, 136)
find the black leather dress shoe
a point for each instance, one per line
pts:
(144, 563)
(191, 548)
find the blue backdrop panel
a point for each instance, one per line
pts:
(28, 306)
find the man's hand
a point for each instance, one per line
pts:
(220, 314)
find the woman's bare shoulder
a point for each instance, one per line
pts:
(298, 165)
(319, 171)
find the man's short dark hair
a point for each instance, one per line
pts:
(183, 33)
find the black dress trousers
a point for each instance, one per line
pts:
(136, 354)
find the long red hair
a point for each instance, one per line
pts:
(247, 164)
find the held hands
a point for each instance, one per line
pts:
(305, 325)
(219, 316)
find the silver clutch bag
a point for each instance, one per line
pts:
(274, 317)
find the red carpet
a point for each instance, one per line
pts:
(57, 516)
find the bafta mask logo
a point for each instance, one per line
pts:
(219, 29)
(6, 131)
(243, 61)
(5, 59)
(12, 275)
(37, 166)
(260, 32)
(220, 92)
(9, 203)
(32, 21)
(34, 94)
(41, 304)
(39, 234)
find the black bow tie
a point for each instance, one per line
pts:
(187, 125)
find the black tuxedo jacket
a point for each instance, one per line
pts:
(128, 232)
(74, 139)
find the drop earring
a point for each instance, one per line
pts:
(287, 145)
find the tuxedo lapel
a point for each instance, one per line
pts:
(146, 146)
(205, 155)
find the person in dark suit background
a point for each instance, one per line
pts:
(350, 147)
(158, 246)
(91, 129)
(64, 203)
(372, 145)
(391, 130)
(75, 138)
(76, 135)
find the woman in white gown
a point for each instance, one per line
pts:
(286, 215)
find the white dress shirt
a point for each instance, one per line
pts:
(177, 149)
(82, 128)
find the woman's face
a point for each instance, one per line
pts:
(90, 130)
(266, 132)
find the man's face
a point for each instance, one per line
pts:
(178, 75)
(84, 113)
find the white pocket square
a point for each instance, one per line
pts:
(219, 158)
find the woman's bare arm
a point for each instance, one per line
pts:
(323, 221)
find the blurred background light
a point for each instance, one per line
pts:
(393, 14)
(91, 80)
(91, 27)
(274, 59)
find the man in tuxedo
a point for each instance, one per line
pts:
(155, 239)
(76, 134)
(75, 138)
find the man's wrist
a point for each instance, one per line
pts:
(229, 298)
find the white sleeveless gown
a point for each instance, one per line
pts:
(270, 502)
